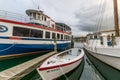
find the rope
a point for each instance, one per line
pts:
(100, 18)
(63, 73)
(8, 47)
(96, 25)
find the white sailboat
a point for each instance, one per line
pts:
(98, 48)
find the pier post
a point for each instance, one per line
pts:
(55, 45)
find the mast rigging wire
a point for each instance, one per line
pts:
(36, 4)
(99, 18)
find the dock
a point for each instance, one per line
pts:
(19, 71)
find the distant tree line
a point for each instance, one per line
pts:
(80, 39)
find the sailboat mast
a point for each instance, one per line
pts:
(116, 21)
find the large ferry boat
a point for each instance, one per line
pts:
(30, 35)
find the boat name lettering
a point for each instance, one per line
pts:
(53, 70)
(3, 28)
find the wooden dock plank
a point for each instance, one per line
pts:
(19, 71)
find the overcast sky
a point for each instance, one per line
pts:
(81, 15)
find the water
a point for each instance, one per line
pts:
(85, 71)
(89, 72)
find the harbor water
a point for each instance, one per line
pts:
(85, 71)
(89, 71)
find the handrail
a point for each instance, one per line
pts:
(13, 16)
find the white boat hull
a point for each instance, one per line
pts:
(109, 56)
(60, 67)
(53, 73)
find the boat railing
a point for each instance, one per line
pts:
(13, 16)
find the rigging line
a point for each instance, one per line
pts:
(99, 8)
(63, 72)
(100, 18)
(35, 4)
(38, 5)
(107, 19)
(102, 15)
(97, 18)
(107, 23)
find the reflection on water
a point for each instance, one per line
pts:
(108, 72)
(89, 72)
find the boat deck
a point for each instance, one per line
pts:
(62, 58)
(71, 55)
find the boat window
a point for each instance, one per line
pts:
(95, 37)
(45, 18)
(68, 37)
(18, 31)
(25, 32)
(47, 35)
(101, 39)
(58, 36)
(39, 17)
(42, 18)
(91, 37)
(61, 37)
(65, 37)
(53, 35)
(36, 33)
(34, 15)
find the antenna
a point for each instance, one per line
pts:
(36, 5)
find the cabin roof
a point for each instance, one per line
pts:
(63, 25)
(29, 11)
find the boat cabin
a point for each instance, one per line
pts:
(92, 39)
(37, 17)
(100, 39)
(38, 25)
(63, 27)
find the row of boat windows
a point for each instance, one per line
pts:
(39, 17)
(25, 32)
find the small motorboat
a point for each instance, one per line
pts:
(60, 64)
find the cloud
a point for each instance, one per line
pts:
(81, 15)
(90, 20)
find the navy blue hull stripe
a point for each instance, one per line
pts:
(9, 49)
(3, 37)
